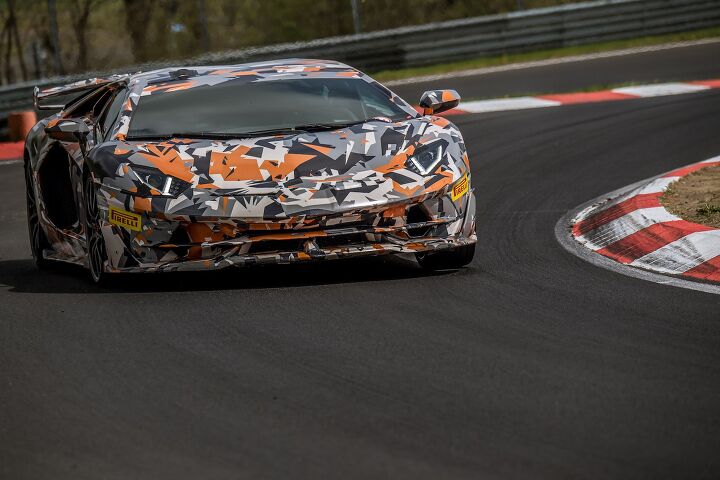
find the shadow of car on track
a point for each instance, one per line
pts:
(22, 276)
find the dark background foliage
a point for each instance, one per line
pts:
(104, 34)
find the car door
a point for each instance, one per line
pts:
(60, 166)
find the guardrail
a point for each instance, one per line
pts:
(536, 29)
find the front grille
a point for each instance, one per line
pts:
(267, 246)
(416, 214)
(340, 240)
(180, 238)
(298, 245)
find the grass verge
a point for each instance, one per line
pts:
(696, 197)
(387, 75)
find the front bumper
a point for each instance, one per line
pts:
(166, 243)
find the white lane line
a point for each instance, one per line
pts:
(661, 89)
(682, 254)
(9, 162)
(501, 104)
(551, 61)
(624, 226)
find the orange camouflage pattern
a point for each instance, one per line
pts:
(280, 198)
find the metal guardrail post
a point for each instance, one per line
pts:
(356, 15)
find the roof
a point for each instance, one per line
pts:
(205, 75)
(267, 68)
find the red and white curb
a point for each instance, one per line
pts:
(556, 100)
(634, 229)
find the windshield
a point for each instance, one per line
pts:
(243, 107)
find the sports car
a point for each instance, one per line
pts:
(272, 162)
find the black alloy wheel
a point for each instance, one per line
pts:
(38, 241)
(96, 252)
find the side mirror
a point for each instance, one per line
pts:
(436, 101)
(67, 130)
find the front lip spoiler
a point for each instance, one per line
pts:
(234, 259)
(321, 233)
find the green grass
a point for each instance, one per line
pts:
(708, 209)
(387, 75)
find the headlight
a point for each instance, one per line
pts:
(164, 184)
(426, 158)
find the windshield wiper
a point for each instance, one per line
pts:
(148, 137)
(272, 131)
(314, 127)
(209, 135)
(310, 127)
(205, 135)
(304, 128)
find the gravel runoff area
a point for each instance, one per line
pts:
(696, 197)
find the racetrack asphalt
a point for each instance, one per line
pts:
(531, 363)
(697, 62)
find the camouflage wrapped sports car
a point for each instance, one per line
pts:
(274, 162)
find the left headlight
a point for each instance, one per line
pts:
(153, 179)
(426, 158)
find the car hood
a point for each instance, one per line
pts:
(361, 166)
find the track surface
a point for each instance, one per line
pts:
(529, 364)
(676, 64)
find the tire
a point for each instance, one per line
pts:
(38, 240)
(96, 253)
(447, 259)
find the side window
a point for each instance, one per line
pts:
(375, 101)
(89, 104)
(109, 116)
(100, 104)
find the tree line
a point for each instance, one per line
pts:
(42, 38)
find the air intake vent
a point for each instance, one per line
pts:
(416, 214)
(178, 186)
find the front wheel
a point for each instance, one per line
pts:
(38, 241)
(447, 259)
(96, 253)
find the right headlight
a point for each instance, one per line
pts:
(156, 180)
(426, 158)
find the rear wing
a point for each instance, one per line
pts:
(42, 99)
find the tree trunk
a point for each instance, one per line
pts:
(9, 77)
(14, 35)
(138, 14)
(80, 22)
(55, 36)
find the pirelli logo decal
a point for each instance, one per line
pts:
(128, 220)
(460, 188)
